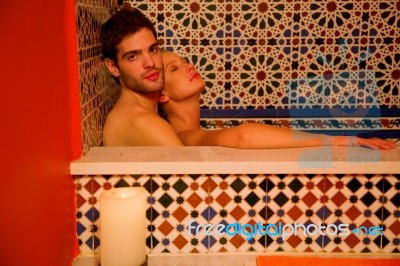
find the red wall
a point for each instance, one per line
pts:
(40, 132)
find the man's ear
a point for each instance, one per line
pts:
(163, 98)
(112, 67)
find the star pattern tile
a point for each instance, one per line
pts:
(278, 201)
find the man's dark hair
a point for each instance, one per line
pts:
(122, 24)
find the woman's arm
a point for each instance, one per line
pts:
(253, 136)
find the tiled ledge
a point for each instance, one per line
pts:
(220, 160)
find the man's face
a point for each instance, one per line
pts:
(140, 65)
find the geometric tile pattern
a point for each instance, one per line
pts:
(383, 127)
(98, 91)
(274, 54)
(258, 56)
(175, 201)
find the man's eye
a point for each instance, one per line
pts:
(173, 69)
(154, 49)
(132, 57)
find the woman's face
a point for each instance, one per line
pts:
(181, 78)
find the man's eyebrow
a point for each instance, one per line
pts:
(138, 51)
(154, 44)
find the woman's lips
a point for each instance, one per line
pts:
(194, 76)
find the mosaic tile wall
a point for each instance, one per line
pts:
(97, 89)
(316, 65)
(174, 201)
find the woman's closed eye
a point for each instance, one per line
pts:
(173, 68)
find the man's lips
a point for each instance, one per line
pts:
(153, 76)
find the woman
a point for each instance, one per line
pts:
(180, 105)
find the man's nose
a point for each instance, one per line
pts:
(148, 60)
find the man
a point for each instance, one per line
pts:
(132, 56)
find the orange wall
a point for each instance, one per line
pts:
(40, 132)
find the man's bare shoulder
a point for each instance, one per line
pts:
(122, 119)
(124, 113)
(137, 126)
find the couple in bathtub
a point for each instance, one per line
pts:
(154, 81)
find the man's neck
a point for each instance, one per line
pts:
(148, 100)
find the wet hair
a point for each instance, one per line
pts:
(125, 22)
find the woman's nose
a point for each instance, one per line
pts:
(189, 67)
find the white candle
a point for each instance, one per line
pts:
(123, 227)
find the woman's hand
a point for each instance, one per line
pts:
(372, 143)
